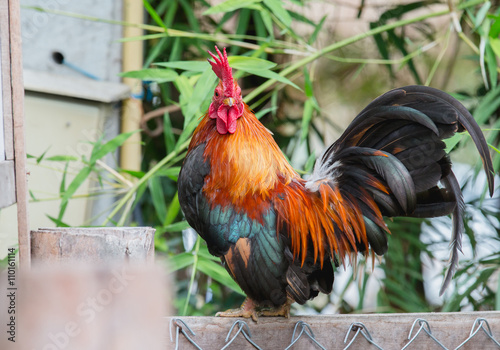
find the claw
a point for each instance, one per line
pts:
(249, 309)
(246, 310)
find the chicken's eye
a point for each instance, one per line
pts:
(216, 94)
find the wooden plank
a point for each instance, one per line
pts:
(16, 69)
(93, 245)
(7, 181)
(389, 331)
(6, 90)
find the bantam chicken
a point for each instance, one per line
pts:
(277, 233)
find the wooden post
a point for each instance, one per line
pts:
(16, 64)
(130, 155)
(388, 331)
(93, 245)
(86, 307)
(13, 157)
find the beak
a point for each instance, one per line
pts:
(229, 101)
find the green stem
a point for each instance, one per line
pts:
(129, 195)
(193, 274)
(169, 32)
(353, 39)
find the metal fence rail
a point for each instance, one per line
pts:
(448, 331)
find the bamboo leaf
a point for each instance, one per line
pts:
(172, 211)
(154, 15)
(481, 14)
(61, 158)
(59, 223)
(453, 141)
(100, 151)
(249, 63)
(180, 261)
(76, 183)
(268, 21)
(272, 75)
(192, 66)
(306, 118)
(156, 190)
(176, 227)
(218, 273)
(230, 5)
(151, 74)
(276, 7)
(495, 45)
(168, 134)
(317, 29)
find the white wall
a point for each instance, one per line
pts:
(2, 141)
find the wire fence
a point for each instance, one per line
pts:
(420, 327)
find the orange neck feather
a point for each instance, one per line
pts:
(246, 167)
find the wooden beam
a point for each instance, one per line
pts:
(93, 245)
(389, 331)
(16, 69)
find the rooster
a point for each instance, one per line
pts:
(276, 233)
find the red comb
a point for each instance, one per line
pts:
(222, 70)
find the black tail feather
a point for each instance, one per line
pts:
(397, 139)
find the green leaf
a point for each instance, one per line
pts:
(230, 5)
(176, 227)
(317, 29)
(276, 7)
(308, 88)
(180, 261)
(62, 158)
(76, 183)
(192, 66)
(39, 159)
(272, 75)
(171, 172)
(268, 21)
(245, 63)
(492, 65)
(58, 222)
(453, 141)
(192, 103)
(154, 15)
(308, 167)
(173, 210)
(218, 273)
(495, 45)
(264, 111)
(168, 134)
(306, 118)
(156, 191)
(488, 105)
(494, 148)
(136, 174)
(481, 14)
(100, 151)
(158, 75)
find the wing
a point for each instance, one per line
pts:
(251, 250)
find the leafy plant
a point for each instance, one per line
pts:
(179, 85)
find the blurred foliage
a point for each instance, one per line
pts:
(405, 45)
